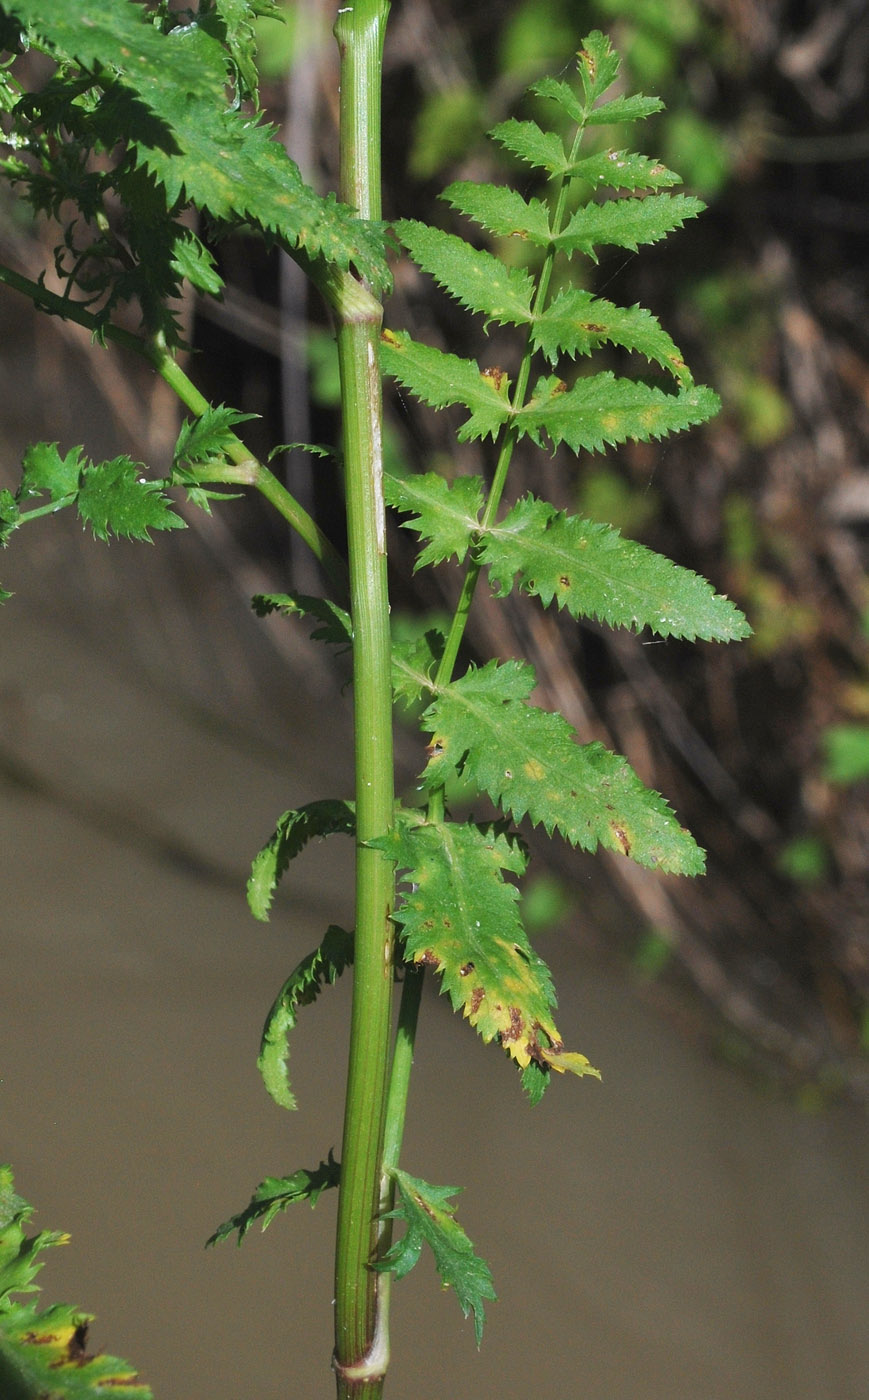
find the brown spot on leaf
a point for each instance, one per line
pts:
(390, 338)
(466, 970)
(560, 387)
(516, 1028)
(592, 327)
(77, 1346)
(496, 377)
(427, 956)
(476, 1001)
(621, 836)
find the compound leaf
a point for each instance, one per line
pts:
(477, 279)
(591, 571)
(430, 1219)
(528, 761)
(293, 831)
(444, 513)
(274, 1194)
(302, 987)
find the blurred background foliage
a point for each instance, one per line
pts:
(762, 748)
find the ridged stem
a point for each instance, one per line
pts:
(361, 1332)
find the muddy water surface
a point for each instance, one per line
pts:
(669, 1234)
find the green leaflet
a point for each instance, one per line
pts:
(598, 64)
(528, 762)
(501, 210)
(623, 170)
(430, 1219)
(302, 987)
(576, 322)
(414, 660)
(477, 279)
(446, 513)
(440, 379)
(626, 223)
(335, 623)
(43, 469)
(591, 571)
(461, 917)
(292, 833)
(208, 437)
(114, 499)
(528, 141)
(602, 409)
(274, 1194)
(43, 1353)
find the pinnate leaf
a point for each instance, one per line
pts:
(440, 379)
(274, 1194)
(430, 1219)
(444, 513)
(528, 761)
(302, 987)
(477, 279)
(577, 321)
(602, 409)
(293, 831)
(589, 570)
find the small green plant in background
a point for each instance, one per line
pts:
(135, 118)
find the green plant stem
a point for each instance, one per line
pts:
(245, 470)
(361, 1325)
